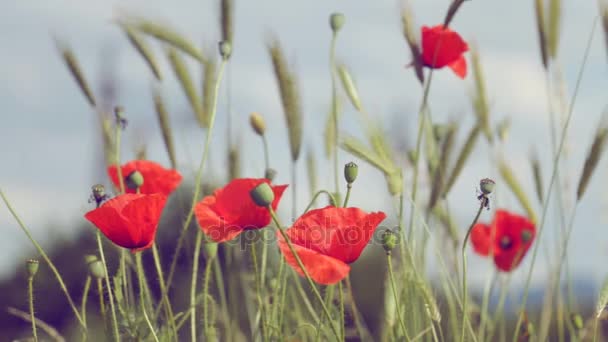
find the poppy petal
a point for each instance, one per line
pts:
(111, 224)
(481, 239)
(323, 269)
(157, 179)
(212, 224)
(441, 46)
(459, 67)
(145, 212)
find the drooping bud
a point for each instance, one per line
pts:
(389, 240)
(336, 21)
(270, 174)
(32, 267)
(351, 170)
(262, 195)
(225, 49)
(95, 266)
(134, 180)
(486, 186)
(257, 123)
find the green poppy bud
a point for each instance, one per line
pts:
(225, 49)
(486, 186)
(95, 266)
(262, 195)
(336, 21)
(389, 240)
(257, 123)
(350, 172)
(134, 180)
(270, 174)
(32, 267)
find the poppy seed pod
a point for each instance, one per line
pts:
(225, 49)
(351, 170)
(262, 195)
(486, 186)
(134, 180)
(95, 266)
(336, 21)
(389, 240)
(32, 267)
(257, 123)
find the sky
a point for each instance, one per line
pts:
(51, 144)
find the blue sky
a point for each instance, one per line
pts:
(50, 141)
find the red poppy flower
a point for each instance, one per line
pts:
(329, 239)
(230, 210)
(443, 47)
(508, 239)
(157, 179)
(129, 220)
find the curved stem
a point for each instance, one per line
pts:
(197, 250)
(206, 320)
(349, 186)
(306, 274)
(258, 291)
(554, 173)
(83, 303)
(165, 298)
(396, 298)
(465, 316)
(332, 199)
(142, 290)
(199, 174)
(30, 296)
(341, 299)
(45, 257)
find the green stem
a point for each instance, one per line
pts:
(354, 309)
(142, 291)
(30, 295)
(219, 281)
(85, 295)
(45, 257)
(102, 306)
(165, 298)
(206, 320)
(197, 251)
(556, 160)
(349, 186)
(484, 305)
(121, 181)
(294, 197)
(394, 290)
(597, 318)
(332, 199)
(334, 107)
(341, 298)
(266, 154)
(465, 315)
(306, 274)
(279, 295)
(199, 174)
(258, 291)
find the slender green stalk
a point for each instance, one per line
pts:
(334, 106)
(197, 251)
(45, 257)
(30, 297)
(294, 197)
(341, 299)
(266, 153)
(279, 295)
(121, 180)
(396, 298)
(329, 298)
(102, 306)
(331, 197)
(484, 305)
(465, 292)
(142, 293)
(206, 320)
(353, 307)
(219, 282)
(199, 174)
(554, 173)
(308, 278)
(108, 286)
(348, 188)
(165, 298)
(85, 295)
(258, 291)
(595, 330)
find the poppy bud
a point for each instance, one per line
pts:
(336, 21)
(486, 186)
(270, 174)
(389, 240)
(350, 172)
(95, 266)
(395, 183)
(262, 195)
(134, 180)
(32, 267)
(225, 49)
(526, 236)
(210, 249)
(577, 321)
(256, 120)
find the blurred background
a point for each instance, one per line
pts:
(52, 149)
